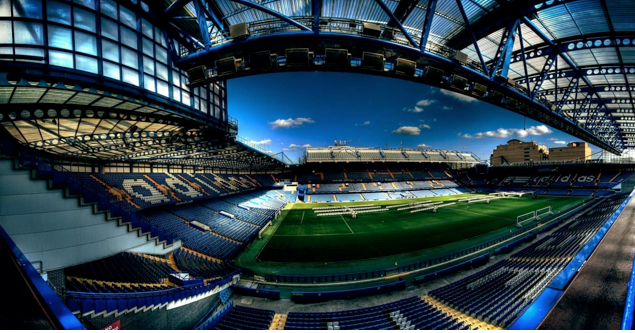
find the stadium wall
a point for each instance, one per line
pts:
(181, 318)
(54, 232)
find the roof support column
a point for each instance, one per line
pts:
(427, 24)
(316, 7)
(471, 32)
(397, 22)
(505, 49)
(202, 24)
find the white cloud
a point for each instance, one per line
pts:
(447, 108)
(423, 145)
(426, 102)
(418, 108)
(507, 132)
(288, 123)
(553, 139)
(560, 142)
(293, 147)
(367, 122)
(261, 142)
(408, 130)
(435, 119)
(458, 97)
(424, 126)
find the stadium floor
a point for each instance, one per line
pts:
(252, 260)
(595, 299)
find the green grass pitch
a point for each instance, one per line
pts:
(303, 237)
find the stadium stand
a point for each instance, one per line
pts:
(244, 318)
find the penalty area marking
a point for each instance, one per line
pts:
(349, 227)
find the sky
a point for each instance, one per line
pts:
(286, 112)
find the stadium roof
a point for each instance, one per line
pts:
(570, 63)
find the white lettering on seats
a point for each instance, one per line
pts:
(155, 196)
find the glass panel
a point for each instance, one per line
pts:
(27, 8)
(148, 66)
(111, 70)
(60, 37)
(161, 54)
(85, 43)
(176, 93)
(88, 3)
(109, 8)
(158, 37)
(109, 29)
(59, 58)
(110, 50)
(27, 33)
(128, 17)
(6, 37)
(162, 71)
(185, 97)
(203, 106)
(84, 63)
(30, 52)
(175, 78)
(146, 28)
(84, 19)
(129, 58)
(148, 47)
(163, 88)
(130, 76)
(148, 82)
(58, 12)
(5, 8)
(129, 38)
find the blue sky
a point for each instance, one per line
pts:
(288, 111)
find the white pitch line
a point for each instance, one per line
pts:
(302, 218)
(349, 227)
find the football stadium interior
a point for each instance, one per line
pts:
(128, 200)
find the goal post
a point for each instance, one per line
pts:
(524, 218)
(543, 211)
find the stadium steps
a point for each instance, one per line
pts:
(612, 179)
(194, 185)
(215, 183)
(165, 283)
(67, 195)
(172, 261)
(161, 188)
(362, 197)
(393, 185)
(370, 175)
(390, 173)
(278, 322)
(410, 173)
(364, 186)
(204, 256)
(455, 314)
(345, 175)
(254, 181)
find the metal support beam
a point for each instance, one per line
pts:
(399, 25)
(176, 5)
(546, 68)
(505, 49)
(316, 10)
(427, 24)
(211, 14)
(403, 10)
(471, 33)
(202, 23)
(273, 13)
(522, 47)
(573, 85)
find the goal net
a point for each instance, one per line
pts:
(524, 218)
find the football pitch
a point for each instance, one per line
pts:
(301, 236)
